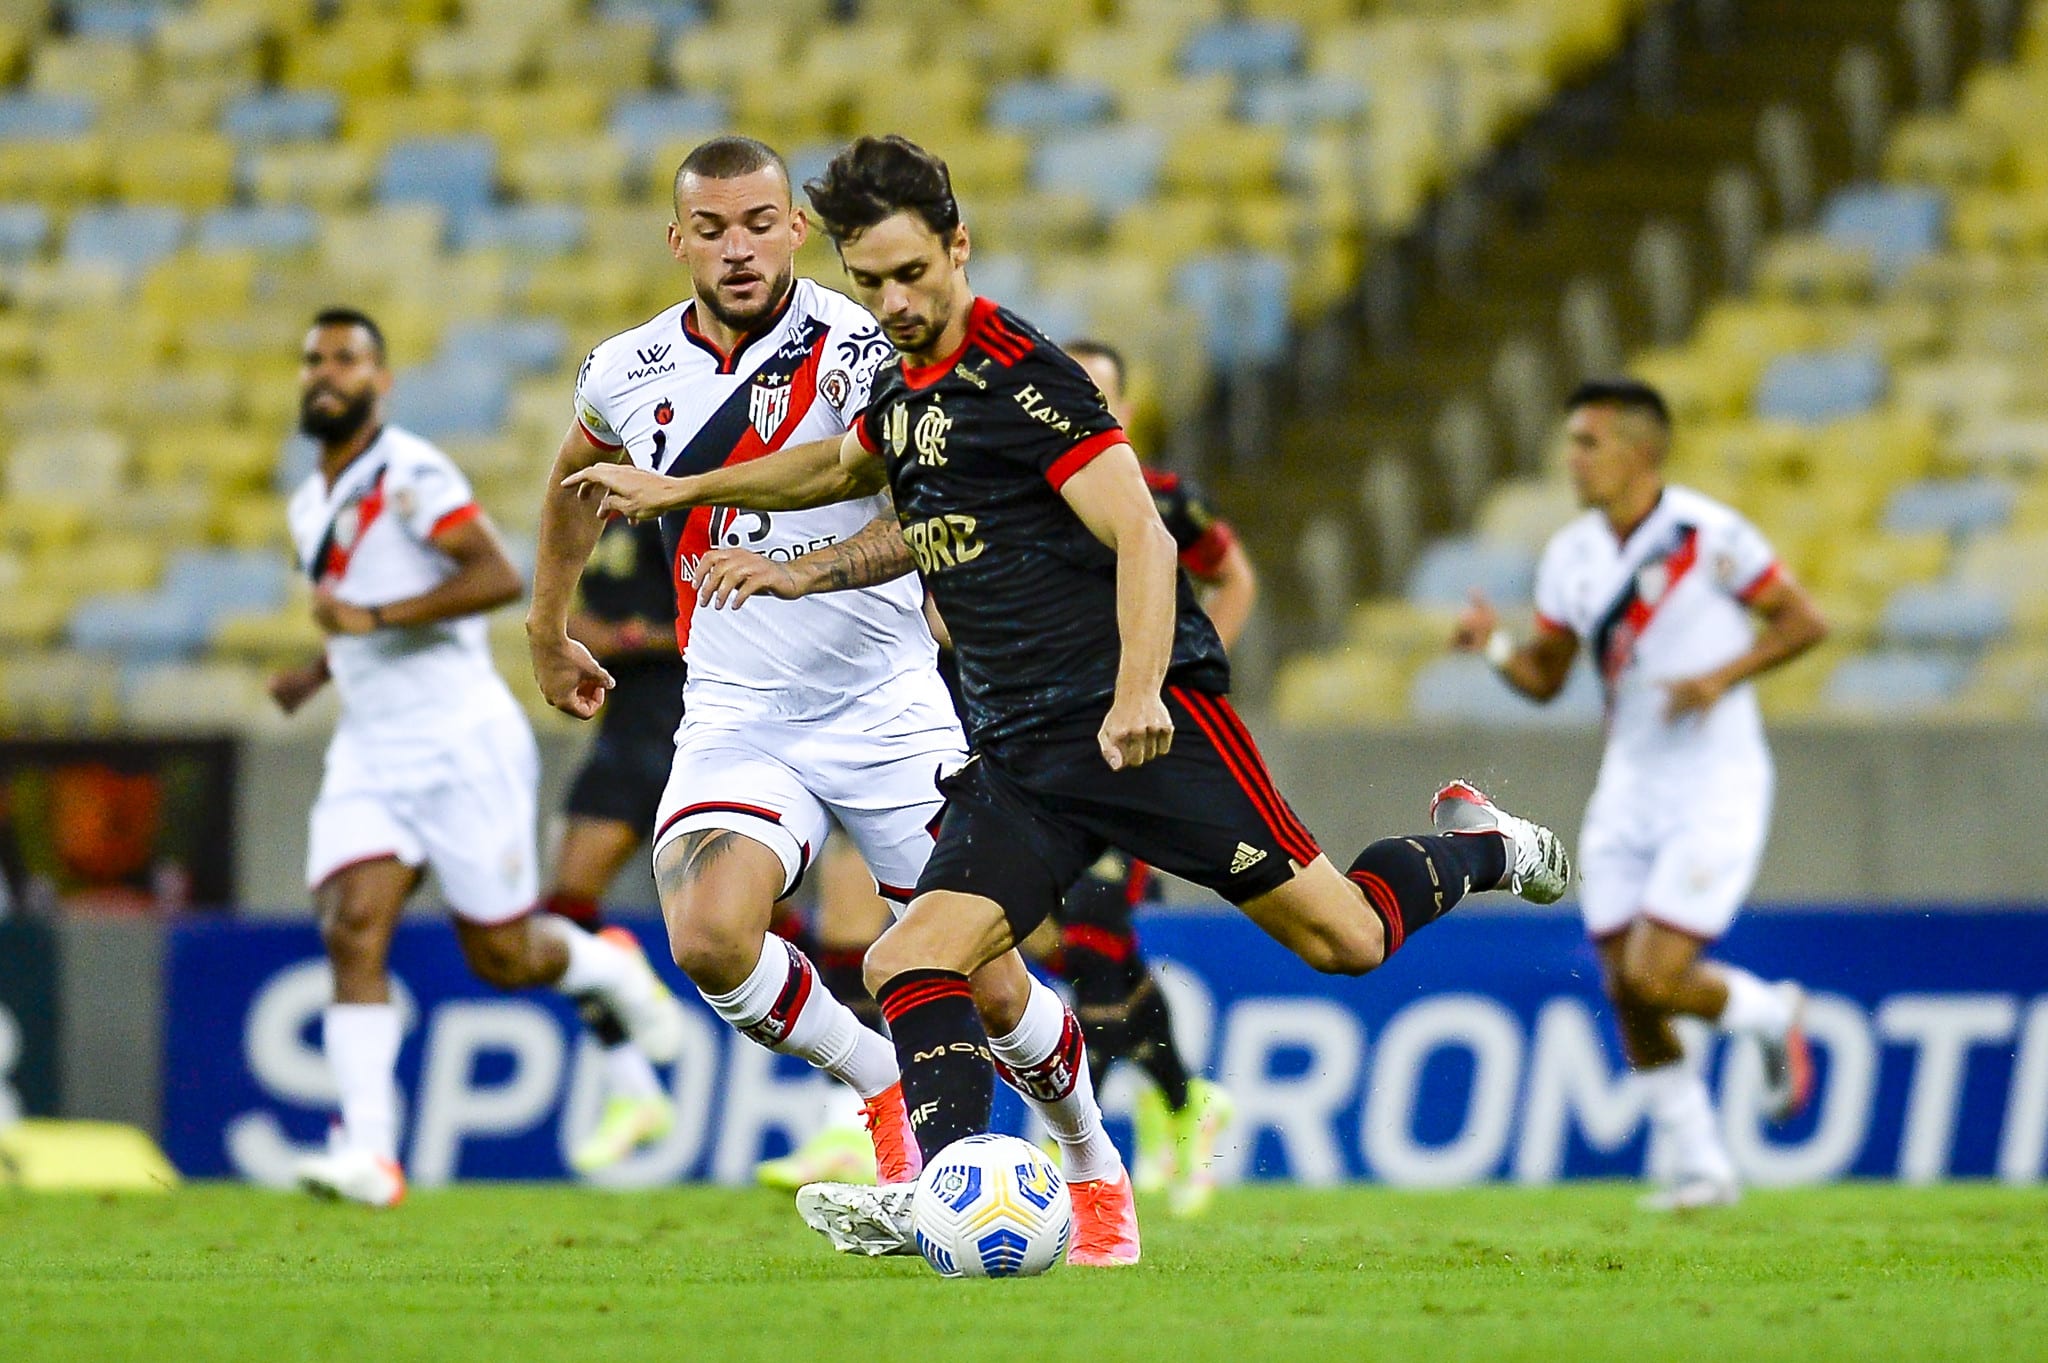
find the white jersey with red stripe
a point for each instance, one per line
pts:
(408, 695)
(1668, 604)
(677, 404)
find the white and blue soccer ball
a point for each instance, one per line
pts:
(992, 1207)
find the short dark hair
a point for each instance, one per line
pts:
(352, 317)
(1630, 395)
(1083, 348)
(878, 177)
(728, 158)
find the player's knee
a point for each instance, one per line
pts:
(498, 958)
(1350, 948)
(1001, 991)
(715, 959)
(1646, 986)
(351, 929)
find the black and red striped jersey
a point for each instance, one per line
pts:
(978, 446)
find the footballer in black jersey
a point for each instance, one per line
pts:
(1027, 513)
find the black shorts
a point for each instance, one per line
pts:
(628, 766)
(1021, 826)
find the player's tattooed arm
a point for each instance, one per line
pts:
(728, 577)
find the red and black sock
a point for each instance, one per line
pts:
(581, 909)
(840, 970)
(949, 1078)
(1097, 962)
(1412, 882)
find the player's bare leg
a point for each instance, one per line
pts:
(718, 890)
(637, 1110)
(358, 908)
(850, 915)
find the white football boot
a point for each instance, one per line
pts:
(1539, 869)
(1691, 1193)
(859, 1219)
(1788, 1061)
(348, 1173)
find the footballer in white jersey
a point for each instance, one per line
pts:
(1680, 604)
(432, 765)
(800, 710)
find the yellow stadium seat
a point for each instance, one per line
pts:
(1035, 222)
(217, 43)
(1313, 13)
(279, 637)
(399, 239)
(1945, 151)
(593, 289)
(1119, 54)
(109, 70)
(842, 58)
(1180, 105)
(223, 456)
(376, 121)
(39, 525)
(19, 337)
(2013, 224)
(1174, 227)
(249, 520)
(1887, 445)
(984, 165)
(611, 55)
(1333, 690)
(359, 56)
(33, 619)
(188, 286)
(594, 168)
(1868, 567)
(715, 56)
(67, 465)
(104, 563)
(327, 177)
(1699, 385)
(547, 111)
(1756, 331)
(938, 109)
(1810, 268)
(58, 171)
(766, 104)
(473, 56)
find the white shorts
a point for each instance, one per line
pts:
(784, 784)
(1686, 864)
(475, 829)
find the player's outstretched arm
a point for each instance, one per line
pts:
(877, 554)
(1537, 668)
(1792, 623)
(570, 679)
(1231, 589)
(794, 479)
(1112, 500)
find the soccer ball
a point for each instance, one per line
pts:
(992, 1207)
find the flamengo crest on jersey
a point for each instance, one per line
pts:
(677, 404)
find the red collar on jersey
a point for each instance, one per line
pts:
(727, 363)
(985, 328)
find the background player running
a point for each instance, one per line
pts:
(432, 763)
(625, 615)
(1094, 683)
(1660, 583)
(1177, 1117)
(804, 711)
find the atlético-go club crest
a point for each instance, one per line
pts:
(768, 405)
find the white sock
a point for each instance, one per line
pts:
(595, 965)
(1753, 1006)
(810, 1023)
(361, 1042)
(1682, 1122)
(1049, 1066)
(629, 1074)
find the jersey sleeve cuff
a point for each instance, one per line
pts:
(461, 515)
(1748, 595)
(595, 439)
(1550, 626)
(861, 433)
(1082, 455)
(1205, 555)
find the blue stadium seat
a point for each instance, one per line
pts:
(1303, 101)
(1820, 385)
(808, 162)
(1244, 48)
(135, 20)
(1894, 683)
(1113, 167)
(530, 345)
(1466, 690)
(1899, 224)
(1060, 314)
(282, 116)
(131, 239)
(526, 229)
(24, 231)
(1002, 276)
(141, 627)
(297, 458)
(646, 124)
(1945, 616)
(277, 229)
(1242, 298)
(1040, 105)
(449, 401)
(669, 16)
(44, 117)
(219, 581)
(1448, 570)
(458, 173)
(1957, 506)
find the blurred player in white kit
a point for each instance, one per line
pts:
(432, 763)
(1661, 584)
(799, 712)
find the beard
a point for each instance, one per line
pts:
(778, 290)
(336, 426)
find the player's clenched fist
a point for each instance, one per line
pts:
(636, 493)
(1134, 732)
(727, 577)
(571, 680)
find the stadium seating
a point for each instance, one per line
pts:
(1873, 403)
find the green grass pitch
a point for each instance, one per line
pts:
(560, 1274)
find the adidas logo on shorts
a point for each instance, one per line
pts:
(1247, 857)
